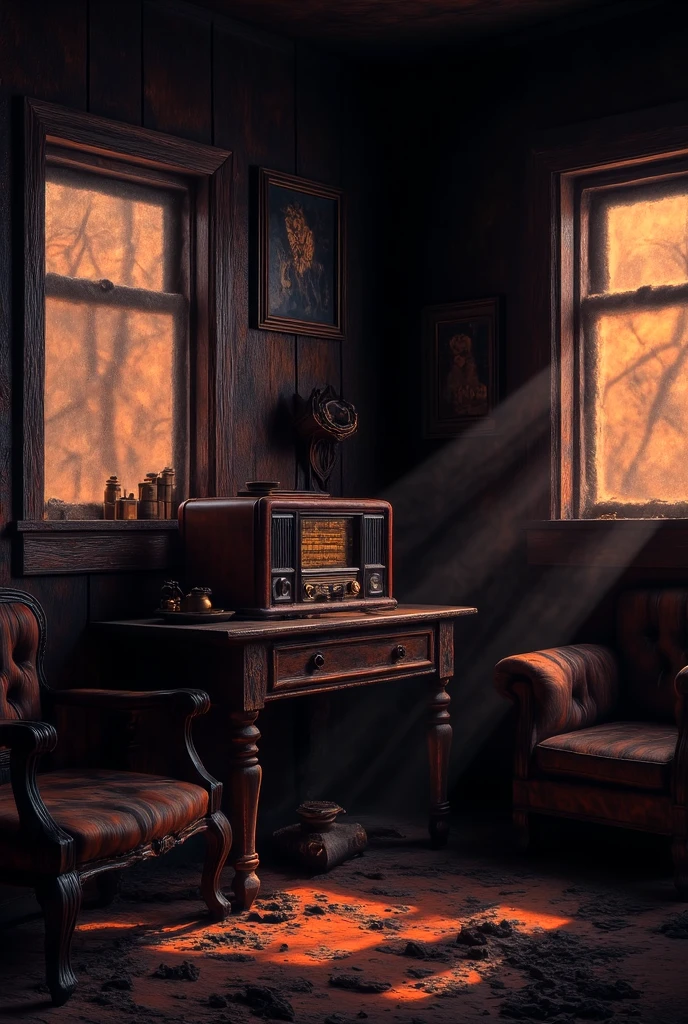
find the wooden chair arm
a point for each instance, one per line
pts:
(27, 738)
(193, 702)
(27, 741)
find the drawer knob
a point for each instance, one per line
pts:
(318, 660)
(399, 652)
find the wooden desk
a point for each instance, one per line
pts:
(245, 664)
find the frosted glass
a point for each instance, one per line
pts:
(647, 242)
(97, 233)
(637, 406)
(109, 397)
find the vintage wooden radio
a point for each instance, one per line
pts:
(271, 554)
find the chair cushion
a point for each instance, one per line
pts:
(637, 754)
(108, 813)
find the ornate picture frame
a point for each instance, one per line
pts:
(460, 367)
(300, 256)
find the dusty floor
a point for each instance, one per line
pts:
(539, 938)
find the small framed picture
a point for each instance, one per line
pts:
(300, 256)
(460, 346)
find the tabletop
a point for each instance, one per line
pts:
(238, 631)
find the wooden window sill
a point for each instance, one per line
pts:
(47, 547)
(614, 543)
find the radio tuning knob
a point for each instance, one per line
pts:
(282, 587)
(375, 583)
(355, 588)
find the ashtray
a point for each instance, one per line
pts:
(214, 615)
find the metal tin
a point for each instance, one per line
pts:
(148, 497)
(110, 497)
(127, 508)
(197, 600)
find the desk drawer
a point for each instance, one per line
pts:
(347, 660)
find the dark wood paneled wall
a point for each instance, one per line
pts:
(459, 137)
(179, 69)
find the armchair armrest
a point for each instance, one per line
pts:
(564, 688)
(152, 729)
(27, 741)
(193, 702)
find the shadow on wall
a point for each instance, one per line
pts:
(459, 539)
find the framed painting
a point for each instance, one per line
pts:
(460, 343)
(300, 256)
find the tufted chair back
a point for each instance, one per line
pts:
(652, 642)
(22, 642)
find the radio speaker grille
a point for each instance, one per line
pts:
(282, 542)
(374, 540)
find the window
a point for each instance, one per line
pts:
(116, 336)
(624, 381)
(125, 334)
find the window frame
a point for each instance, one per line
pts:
(109, 146)
(583, 189)
(161, 300)
(553, 159)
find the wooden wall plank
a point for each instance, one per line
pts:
(318, 157)
(114, 69)
(65, 603)
(318, 116)
(363, 377)
(43, 49)
(318, 364)
(254, 118)
(124, 595)
(6, 229)
(177, 72)
(43, 53)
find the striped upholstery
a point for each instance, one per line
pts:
(108, 813)
(638, 754)
(573, 686)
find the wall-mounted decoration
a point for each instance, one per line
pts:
(300, 256)
(460, 349)
(322, 422)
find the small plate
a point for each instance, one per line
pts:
(215, 615)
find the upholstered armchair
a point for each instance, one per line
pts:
(139, 791)
(602, 734)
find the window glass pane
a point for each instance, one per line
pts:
(113, 378)
(98, 228)
(646, 240)
(636, 408)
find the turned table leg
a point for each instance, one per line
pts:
(245, 776)
(439, 745)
